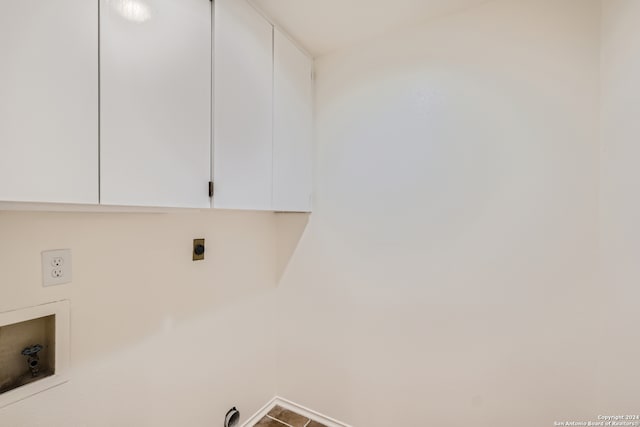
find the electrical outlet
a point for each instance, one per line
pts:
(56, 267)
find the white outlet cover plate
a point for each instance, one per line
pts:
(56, 267)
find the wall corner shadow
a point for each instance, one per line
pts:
(290, 227)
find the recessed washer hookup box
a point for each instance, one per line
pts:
(34, 350)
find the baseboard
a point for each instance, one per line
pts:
(262, 412)
(309, 413)
(292, 406)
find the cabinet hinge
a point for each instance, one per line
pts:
(210, 188)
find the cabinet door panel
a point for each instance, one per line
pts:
(155, 73)
(49, 101)
(243, 107)
(293, 127)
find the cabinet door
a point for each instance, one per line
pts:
(293, 127)
(155, 108)
(49, 101)
(243, 107)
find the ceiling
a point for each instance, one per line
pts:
(322, 26)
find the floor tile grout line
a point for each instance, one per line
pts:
(308, 422)
(277, 420)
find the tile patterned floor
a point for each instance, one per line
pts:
(280, 417)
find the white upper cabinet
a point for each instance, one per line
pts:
(292, 127)
(49, 101)
(243, 107)
(155, 102)
(115, 103)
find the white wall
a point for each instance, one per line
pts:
(619, 375)
(156, 339)
(448, 274)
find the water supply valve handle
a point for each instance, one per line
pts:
(34, 349)
(33, 360)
